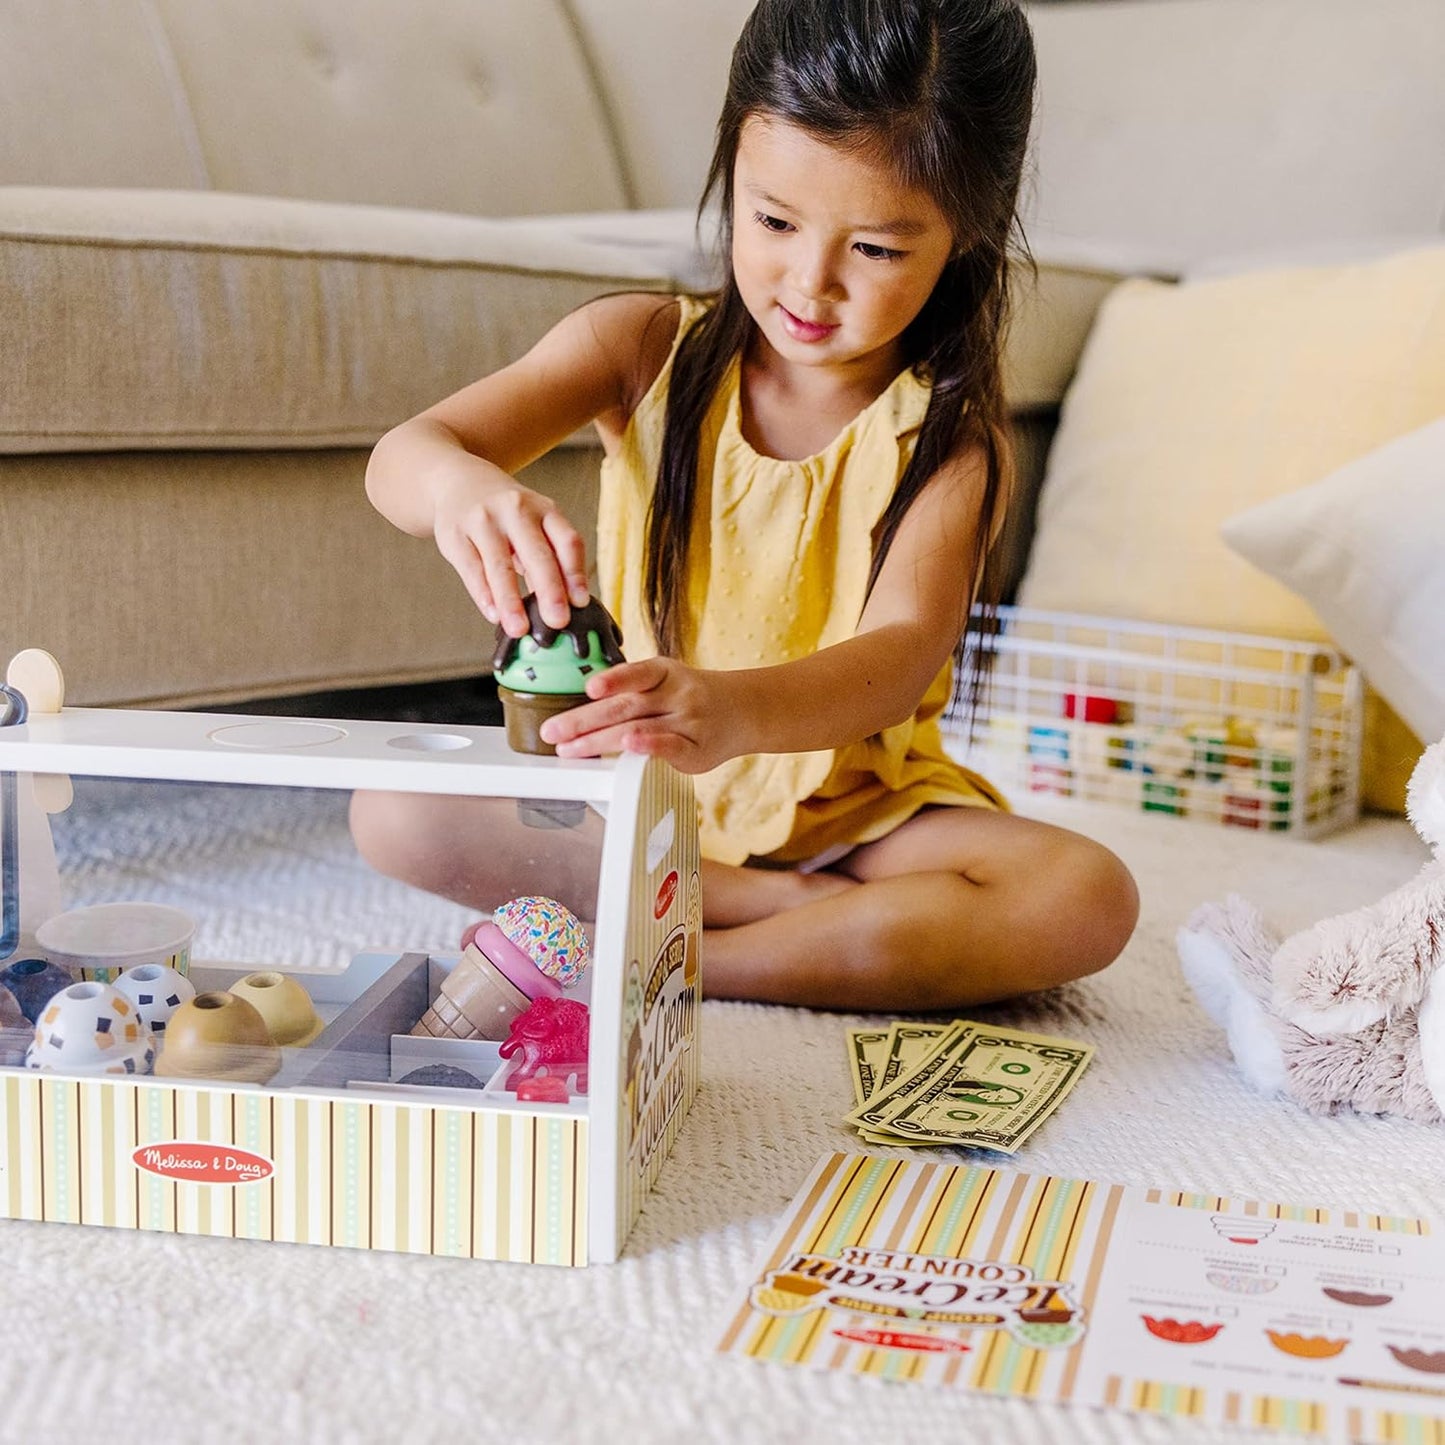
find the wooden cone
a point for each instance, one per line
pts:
(475, 1002)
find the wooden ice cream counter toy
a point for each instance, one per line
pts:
(337, 1147)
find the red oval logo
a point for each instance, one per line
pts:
(665, 894)
(202, 1163)
(898, 1340)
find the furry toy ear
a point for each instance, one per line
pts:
(1425, 796)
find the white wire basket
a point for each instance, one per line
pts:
(1233, 729)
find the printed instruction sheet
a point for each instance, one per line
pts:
(1325, 1321)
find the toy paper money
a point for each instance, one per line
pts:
(991, 1091)
(867, 1053)
(879, 1056)
(905, 1046)
(970, 1086)
(906, 1082)
(909, 1044)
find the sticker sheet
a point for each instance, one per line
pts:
(1324, 1321)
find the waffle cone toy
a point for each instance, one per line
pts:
(529, 949)
(477, 1001)
(492, 984)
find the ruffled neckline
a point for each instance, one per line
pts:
(906, 395)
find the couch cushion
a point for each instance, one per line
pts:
(87, 98)
(1053, 310)
(144, 319)
(670, 241)
(1363, 549)
(485, 107)
(662, 71)
(179, 319)
(226, 575)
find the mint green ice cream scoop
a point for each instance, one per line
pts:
(558, 661)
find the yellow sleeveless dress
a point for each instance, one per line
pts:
(778, 568)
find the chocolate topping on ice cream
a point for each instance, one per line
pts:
(593, 618)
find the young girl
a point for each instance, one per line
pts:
(802, 481)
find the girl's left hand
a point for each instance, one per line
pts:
(659, 707)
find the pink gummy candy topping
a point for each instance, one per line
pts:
(549, 934)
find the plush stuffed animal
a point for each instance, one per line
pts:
(1349, 1013)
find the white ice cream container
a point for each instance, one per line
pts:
(105, 939)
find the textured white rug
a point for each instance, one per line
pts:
(119, 1337)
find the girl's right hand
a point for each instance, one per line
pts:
(493, 531)
(448, 472)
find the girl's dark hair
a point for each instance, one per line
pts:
(943, 91)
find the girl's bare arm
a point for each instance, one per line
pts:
(449, 472)
(698, 718)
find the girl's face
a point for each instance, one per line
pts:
(833, 257)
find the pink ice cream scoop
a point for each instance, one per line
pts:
(547, 935)
(526, 952)
(513, 963)
(551, 1034)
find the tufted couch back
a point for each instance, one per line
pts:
(320, 100)
(1169, 130)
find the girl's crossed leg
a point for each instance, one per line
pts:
(957, 906)
(480, 852)
(954, 907)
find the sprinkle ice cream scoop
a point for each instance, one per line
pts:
(549, 934)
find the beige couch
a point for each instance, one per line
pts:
(239, 240)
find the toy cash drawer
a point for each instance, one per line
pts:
(196, 1038)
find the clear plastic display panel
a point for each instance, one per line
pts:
(234, 934)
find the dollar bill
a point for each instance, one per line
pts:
(898, 1082)
(987, 1088)
(867, 1053)
(909, 1044)
(876, 1054)
(905, 1046)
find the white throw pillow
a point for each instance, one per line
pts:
(1365, 548)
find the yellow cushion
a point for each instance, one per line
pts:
(1195, 402)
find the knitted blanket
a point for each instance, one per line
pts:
(118, 1336)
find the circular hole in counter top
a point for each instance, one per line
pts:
(276, 735)
(430, 742)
